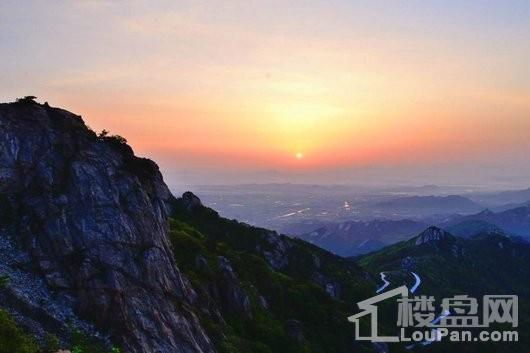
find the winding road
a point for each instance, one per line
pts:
(386, 283)
(437, 335)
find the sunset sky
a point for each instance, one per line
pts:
(300, 91)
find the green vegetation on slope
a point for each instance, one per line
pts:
(12, 338)
(489, 263)
(279, 299)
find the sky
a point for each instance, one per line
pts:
(301, 91)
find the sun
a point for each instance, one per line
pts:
(299, 155)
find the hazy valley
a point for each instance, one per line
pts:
(351, 220)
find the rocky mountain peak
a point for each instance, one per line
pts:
(431, 235)
(92, 220)
(190, 201)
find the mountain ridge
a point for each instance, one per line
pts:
(514, 221)
(353, 238)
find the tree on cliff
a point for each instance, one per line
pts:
(27, 99)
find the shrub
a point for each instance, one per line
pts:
(104, 135)
(51, 343)
(12, 338)
(82, 343)
(4, 280)
(27, 99)
(118, 139)
(77, 349)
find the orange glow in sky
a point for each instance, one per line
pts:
(248, 86)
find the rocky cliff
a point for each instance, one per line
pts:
(83, 236)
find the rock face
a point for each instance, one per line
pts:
(234, 298)
(92, 218)
(432, 235)
(191, 201)
(31, 302)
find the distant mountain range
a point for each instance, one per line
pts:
(515, 221)
(358, 237)
(431, 204)
(502, 197)
(470, 228)
(354, 238)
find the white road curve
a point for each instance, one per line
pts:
(416, 284)
(436, 332)
(385, 283)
